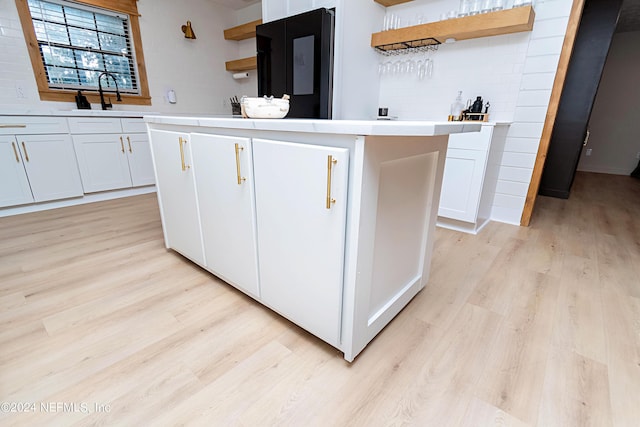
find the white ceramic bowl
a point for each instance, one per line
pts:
(265, 107)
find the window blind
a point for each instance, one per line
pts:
(77, 43)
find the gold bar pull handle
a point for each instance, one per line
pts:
(182, 142)
(241, 179)
(330, 162)
(24, 148)
(129, 142)
(121, 144)
(15, 152)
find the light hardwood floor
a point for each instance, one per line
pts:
(535, 326)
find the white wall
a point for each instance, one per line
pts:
(514, 72)
(615, 139)
(193, 68)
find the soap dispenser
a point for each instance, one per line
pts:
(456, 108)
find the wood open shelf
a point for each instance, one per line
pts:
(469, 27)
(388, 3)
(242, 32)
(244, 64)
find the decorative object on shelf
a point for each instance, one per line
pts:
(188, 31)
(473, 111)
(266, 107)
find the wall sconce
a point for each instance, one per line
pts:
(188, 31)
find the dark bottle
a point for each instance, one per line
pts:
(477, 108)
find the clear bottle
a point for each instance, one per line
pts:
(457, 107)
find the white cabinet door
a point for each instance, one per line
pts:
(225, 194)
(139, 156)
(462, 184)
(51, 166)
(14, 185)
(177, 193)
(300, 239)
(102, 159)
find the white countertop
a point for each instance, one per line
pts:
(343, 127)
(74, 113)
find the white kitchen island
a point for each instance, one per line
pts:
(328, 222)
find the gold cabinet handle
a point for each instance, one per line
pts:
(129, 142)
(24, 148)
(330, 162)
(241, 179)
(122, 144)
(15, 152)
(8, 126)
(183, 141)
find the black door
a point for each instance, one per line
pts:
(593, 39)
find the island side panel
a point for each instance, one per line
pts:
(400, 192)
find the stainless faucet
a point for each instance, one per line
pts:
(104, 104)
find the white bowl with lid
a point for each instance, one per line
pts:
(266, 107)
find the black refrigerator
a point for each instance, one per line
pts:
(295, 57)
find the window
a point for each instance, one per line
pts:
(72, 43)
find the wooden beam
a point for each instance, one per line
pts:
(552, 110)
(242, 32)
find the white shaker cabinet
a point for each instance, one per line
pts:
(51, 167)
(112, 153)
(14, 185)
(301, 200)
(470, 178)
(177, 193)
(38, 160)
(223, 170)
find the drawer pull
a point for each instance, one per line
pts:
(129, 142)
(241, 179)
(330, 162)
(24, 148)
(15, 151)
(121, 144)
(8, 126)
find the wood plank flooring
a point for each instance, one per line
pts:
(538, 326)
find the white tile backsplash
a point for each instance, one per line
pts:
(541, 64)
(534, 98)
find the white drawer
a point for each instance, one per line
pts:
(472, 140)
(80, 125)
(133, 126)
(32, 125)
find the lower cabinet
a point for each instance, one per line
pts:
(111, 161)
(14, 185)
(462, 183)
(301, 195)
(50, 165)
(223, 169)
(269, 217)
(177, 198)
(470, 178)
